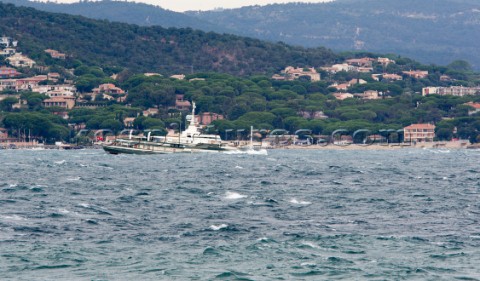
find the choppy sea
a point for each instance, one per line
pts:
(411, 214)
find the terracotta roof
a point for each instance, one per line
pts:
(420, 126)
(475, 105)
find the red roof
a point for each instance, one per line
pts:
(420, 126)
(475, 105)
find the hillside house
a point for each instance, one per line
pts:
(340, 67)
(150, 112)
(393, 77)
(365, 69)
(59, 93)
(340, 87)
(47, 88)
(64, 102)
(19, 60)
(317, 115)
(354, 82)
(53, 76)
(369, 95)
(8, 72)
(8, 84)
(128, 122)
(7, 52)
(205, 118)
(419, 133)
(7, 42)
(181, 104)
(385, 61)
(458, 91)
(417, 74)
(55, 54)
(446, 78)
(475, 107)
(178, 76)
(3, 134)
(108, 89)
(342, 96)
(148, 74)
(278, 77)
(292, 73)
(362, 62)
(30, 82)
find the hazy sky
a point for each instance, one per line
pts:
(187, 5)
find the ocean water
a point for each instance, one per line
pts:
(407, 214)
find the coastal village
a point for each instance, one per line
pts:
(61, 94)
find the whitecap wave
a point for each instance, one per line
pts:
(63, 211)
(13, 218)
(249, 151)
(60, 162)
(218, 227)
(234, 195)
(295, 201)
(310, 244)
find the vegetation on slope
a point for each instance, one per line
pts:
(149, 48)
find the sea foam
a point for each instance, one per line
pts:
(234, 195)
(218, 227)
(295, 201)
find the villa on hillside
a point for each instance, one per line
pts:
(178, 76)
(475, 107)
(340, 87)
(182, 104)
(26, 84)
(342, 96)
(362, 62)
(128, 122)
(291, 73)
(345, 86)
(458, 91)
(64, 102)
(108, 89)
(387, 76)
(340, 67)
(8, 72)
(419, 133)
(312, 114)
(8, 52)
(370, 95)
(150, 112)
(205, 118)
(59, 93)
(55, 54)
(385, 61)
(19, 60)
(7, 42)
(418, 74)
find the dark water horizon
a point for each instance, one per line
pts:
(408, 214)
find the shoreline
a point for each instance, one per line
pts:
(432, 145)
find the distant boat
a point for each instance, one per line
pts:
(143, 145)
(190, 140)
(252, 149)
(193, 138)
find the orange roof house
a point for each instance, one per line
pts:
(108, 89)
(55, 54)
(418, 74)
(419, 133)
(65, 102)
